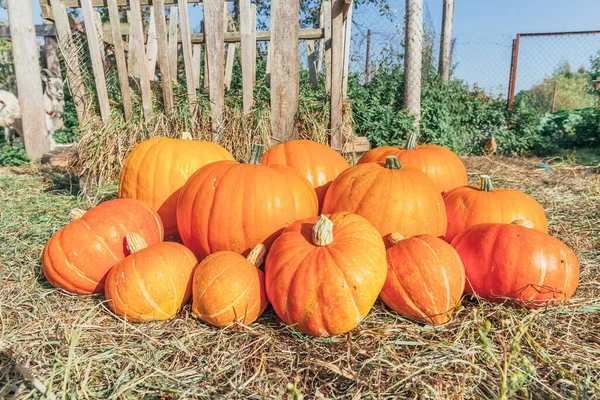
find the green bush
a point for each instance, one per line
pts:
(13, 155)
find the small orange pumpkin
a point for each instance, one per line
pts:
(228, 288)
(425, 280)
(152, 283)
(78, 257)
(468, 206)
(324, 274)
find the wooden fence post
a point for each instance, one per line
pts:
(186, 41)
(368, 56)
(196, 63)
(253, 39)
(337, 72)
(247, 64)
(412, 62)
(152, 45)
(163, 54)
(347, 40)
(326, 42)
(137, 28)
(29, 79)
(285, 69)
(447, 18)
(173, 20)
(214, 38)
(113, 13)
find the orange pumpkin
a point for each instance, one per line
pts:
(157, 168)
(230, 206)
(514, 261)
(425, 280)
(324, 274)
(441, 165)
(392, 197)
(78, 257)
(471, 205)
(318, 163)
(228, 288)
(152, 283)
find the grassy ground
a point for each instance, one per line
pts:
(74, 347)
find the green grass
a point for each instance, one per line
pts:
(74, 347)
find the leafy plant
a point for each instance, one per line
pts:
(13, 155)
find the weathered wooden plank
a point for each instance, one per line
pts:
(312, 63)
(173, 37)
(268, 67)
(356, 144)
(96, 58)
(326, 11)
(99, 34)
(137, 29)
(213, 22)
(45, 30)
(247, 64)
(253, 39)
(163, 54)
(321, 42)
(152, 45)
(184, 25)
(51, 52)
(347, 41)
(29, 80)
(113, 14)
(337, 72)
(70, 55)
(196, 63)
(285, 69)
(228, 25)
(132, 55)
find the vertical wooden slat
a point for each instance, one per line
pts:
(337, 71)
(326, 10)
(312, 64)
(137, 29)
(99, 34)
(413, 60)
(285, 70)
(51, 53)
(113, 14)
(163, 54)
(96, 57)
(228, 25)
(196, 63)
(321, 42)
(214, 38)
(173, 19)
(253, 39)
(268, 67)
(69, 51)
(446, 40)
(186, 41)
(132, 55)
(29, 80)
(152, 45)
(247, 64)
(347, 41)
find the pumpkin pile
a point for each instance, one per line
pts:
(298, 228)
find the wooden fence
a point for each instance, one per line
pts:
(139, 47)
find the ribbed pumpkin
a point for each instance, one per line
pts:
(318, 163)
(441, 165)
(152, 283)
(514, 261)
(471, 205)
(230, 206)
(425, 279)
(228, 287)
(324, 274)
(157, 168)
(392, 197)
(78, 257)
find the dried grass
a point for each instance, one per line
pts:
(74, 347)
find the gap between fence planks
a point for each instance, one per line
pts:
(163, 55)
(312, 63)
(228, 24)
(184, 24)
(113, 14)
(142, 62)
(196, 63)
(213, 22)
(152, 45)
(326, 43)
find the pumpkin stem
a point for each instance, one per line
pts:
(257, 153)
(322, 232)
(396, 238)
(486, 183)
(186, 136)
(135, 242)
(411, 141)
(391, 162)
(257, 255)
(523, 222)
(76, 213)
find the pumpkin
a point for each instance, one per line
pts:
(318, 163)
(230, 206)
(471, 205)
(425, 279)
(516, 262)
(228, 288)
(324, 274)
(392, 197)
(157, 168)
(78, 257)
(152, 283)
(440, 164)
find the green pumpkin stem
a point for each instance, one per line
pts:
(396, 238)
(391, 162)
(322, 232)
(411, 141)
(257, 153)
(257, 255)
(76, 213)
(135, 242)
(486, 183)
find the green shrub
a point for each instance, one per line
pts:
(13, 155)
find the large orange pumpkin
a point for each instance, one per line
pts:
(319, 163)
(471, 205)
(230, 206)
(425, 280)
(157, 168)
(228, 288)
(324, 274)
(514, 261)
(152, 283)
(441, 165)
(78, 257)
(392, 197)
